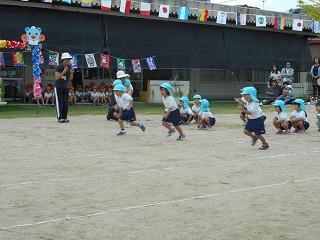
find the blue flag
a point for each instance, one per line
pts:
(66, 1)
(183, 13)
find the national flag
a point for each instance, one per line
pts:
(2, 60)
(121, 63)
(261, 21)
(125, 6)
(104, 60)
(106, 5)
(278, 23)
(86, 3)
(67, 1)
(151, 63)
(164, 11)
(241, 19)
(222, 17)
(136, 66)
(183, 13)
(91, 61)
(145, 9)
(18, 59)
(203, 15)
(297, 25)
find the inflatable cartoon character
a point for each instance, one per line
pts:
(33, 36)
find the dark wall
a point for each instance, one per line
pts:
(176, 45)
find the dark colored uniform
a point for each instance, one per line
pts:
(111, 110)
(62, 93)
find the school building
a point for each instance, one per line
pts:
(215, 59)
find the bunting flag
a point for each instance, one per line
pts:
(86, 3)
(67, 1)
(136, 65)
(91, 61)
(222, 17)
(121, 63)
(125, 6)
(41, 58)
(18, 59)
(53, 59)
(104, 60)
(315, 26)
(145, 9)
(1, 60)
(279, 23)
(74, 61)
(47, 1)
(164, 11)
(183, 13)
(241, 19)
(297, 25)
(151, 63)
(203, 15)
(106, 5)
(261, 21)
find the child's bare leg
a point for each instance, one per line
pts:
(262, 139)
(121, 124)
(246, 132)
(133, 124)
(285, 126)
(166, 125)
(117, 115)
(179, 129)
(206, 121)
(276, 124)
(300, 125)
(243, 118)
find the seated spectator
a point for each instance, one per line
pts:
(287, 74)
(72, 96)
(29, 93)
(275, 75)
(94, 95)
(273, 92)
(80, 94)
(86, 94)
(49, 97)
(102, 95)
(288, 95)
(109, 93)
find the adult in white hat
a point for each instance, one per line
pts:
(125, 79)
(63, 74)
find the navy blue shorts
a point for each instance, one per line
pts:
(185, 119)
(256, 126)
(128, 115)
(212, 121)
(305, 124)
(174, 118)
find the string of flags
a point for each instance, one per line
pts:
(104, 60)
(203, 14)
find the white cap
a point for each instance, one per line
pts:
(65, 56)
(289, 86)
(122, 74)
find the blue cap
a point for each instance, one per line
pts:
(204, 105)
(300, 102)
(116, 82)
(197, 96)
(167, 86)
(127, 83)
(250, 91)
(281, 104)
(119, 88)
(185, 101)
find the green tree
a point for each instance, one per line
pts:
(312, 8)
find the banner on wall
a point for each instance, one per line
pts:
(104, 60)
(91, 61)
(136, 66)
(151, 63)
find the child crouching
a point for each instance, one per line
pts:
(207, 120)
(281, 119)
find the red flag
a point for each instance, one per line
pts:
(106, 5)
(104, 60)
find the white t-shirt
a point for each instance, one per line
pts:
(124, 101)
(196, 109)
(79, 93)
(169, 103)
(130, 90)
(254, 109)
(71, 94)
(102, 94)
(301, 115)
(206, 115)
(281, 116)
(48, 94)
(186, 111)
(94, 94)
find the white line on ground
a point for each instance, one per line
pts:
(156, 204)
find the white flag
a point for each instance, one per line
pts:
(222, 17)
(261, 21)
(164, 11)
(297, 25)
(91, 61)
(241, 19)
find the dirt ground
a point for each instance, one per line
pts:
(79, 181)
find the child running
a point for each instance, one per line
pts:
(126, 111)
(255, 125)
(172, 114)
(281, 118)
(196, 109)
(299, 118)
(185, 111)
(207, 120)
